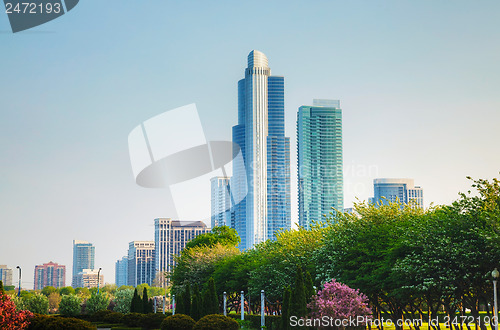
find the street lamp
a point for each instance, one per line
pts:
(495, 275)
(19, 291)
(98, 279)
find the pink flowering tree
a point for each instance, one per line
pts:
(10, 318)
(339, 301)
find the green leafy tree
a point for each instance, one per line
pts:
(2, 291)
(298, 303)
(223, 235)
(83, 292)
(48, 290)
(97, 302)
(70, 305)
(197, 264)
(54, 300)
(285, 308)
(66, 290)
(123, 300)
(38, 303)
(125, 287)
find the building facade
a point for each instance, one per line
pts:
(171, 237)
(319, 161)
(87, 278)
(391, 190)
(220, 201)
(50, 274)
(83, 258)
(260, 134)
(121, 272)
(141, 263)
(6, 275)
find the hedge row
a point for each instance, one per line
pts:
(273, 322)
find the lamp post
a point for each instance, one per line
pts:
(19, 291)
(495, 275)
(98, 279)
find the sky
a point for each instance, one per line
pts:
(418, 83)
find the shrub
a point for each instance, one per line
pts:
(106, 316)
(10, 318)
(253, 321)
(178, 322)
(38, 303)
(153, 320)
(70, 305)
(216, 322)
(44, 322)
(132, 319)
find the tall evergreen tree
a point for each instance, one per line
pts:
(146, 305)
(285, 308)
(212, 302)
(187, 300)
(1, 287)
(309, 287)
(133, 303)
(179, 303)
(298, 305)
(196, 304)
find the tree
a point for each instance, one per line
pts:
(54, 301)
(196, 265)
(38, 303)
(123, 300)
(196, 306)
(2, 291)
(285, 308)
(48, 290)
(309, 287)
(83, 292)
(339, 301)
(66, 290)
(70, 305)
(186, 300)
(147, 307)
(298, 304)
(211, 302)
(223, 235)
(97, 302)
(136, 303)
(10, 318)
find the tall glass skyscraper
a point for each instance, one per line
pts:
(320, 164)
(260, 134)
(220, 201)
(83, 258)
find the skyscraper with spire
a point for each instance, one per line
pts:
(260, 134)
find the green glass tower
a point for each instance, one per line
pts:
(319, 161)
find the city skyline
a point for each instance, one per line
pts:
(419, 100)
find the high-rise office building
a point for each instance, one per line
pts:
(319, 161)
(392, 190)
(83, 258)
(87, 278)
(171, 237)
(50, 274)
(141, 263)
(6, 275)
(121, 272)
(260, 134)
(220, 201)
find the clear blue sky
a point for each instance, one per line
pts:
(418, 83)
